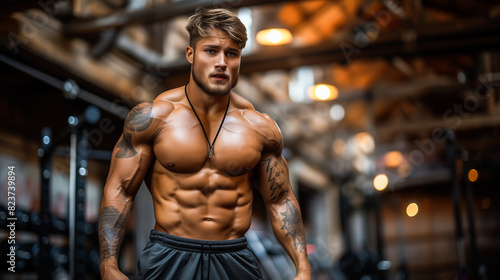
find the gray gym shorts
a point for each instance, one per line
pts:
(171, 257)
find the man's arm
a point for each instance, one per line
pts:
(129, 163)
(273, 183)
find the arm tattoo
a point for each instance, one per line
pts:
(140, 117)
(293, 226)
(112, 225)
(276, 183)
(126, 148)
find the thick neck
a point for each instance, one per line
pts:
(205, 103)
(210, 145)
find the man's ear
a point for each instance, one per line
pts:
(189, 54)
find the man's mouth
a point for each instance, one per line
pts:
(220, 76)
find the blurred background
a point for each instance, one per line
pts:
(389, 109)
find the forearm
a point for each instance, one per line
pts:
(289, 231)
(113, 220)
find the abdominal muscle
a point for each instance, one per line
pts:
(205, 205)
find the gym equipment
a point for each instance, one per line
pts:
(76, 225)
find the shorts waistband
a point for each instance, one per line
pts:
(196, 245)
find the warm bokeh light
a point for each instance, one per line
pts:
(485, 203)
(393, 159)
(323, 92)
(380, 182)
(412, 209)
(338, 147)
(365, 142)
(274, 37)
(473, 175)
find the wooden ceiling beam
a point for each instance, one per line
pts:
(155, 14)
(464, 36)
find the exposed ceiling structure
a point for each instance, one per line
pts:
(405, 70)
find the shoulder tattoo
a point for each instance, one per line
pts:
(140, 117)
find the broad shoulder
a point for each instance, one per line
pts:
(174, 95)
(166, 102)
(142, 116)
(262, 123)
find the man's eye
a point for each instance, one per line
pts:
(210, 51)
(232, 54)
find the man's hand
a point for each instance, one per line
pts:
(303, 276)
(111, 272)
(114, 275)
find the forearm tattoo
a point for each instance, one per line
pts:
(292, 224)
(277, 183)
(139, 119)
(112, 226)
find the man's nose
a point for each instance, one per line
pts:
(221, 60)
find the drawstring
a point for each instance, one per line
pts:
(203, 262)
(209, 257)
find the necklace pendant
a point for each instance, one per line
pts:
(210, 146)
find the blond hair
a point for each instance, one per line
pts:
(204, 22)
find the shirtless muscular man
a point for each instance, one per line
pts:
(200, 149)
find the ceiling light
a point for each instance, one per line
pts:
(323, 92)
(274, 37)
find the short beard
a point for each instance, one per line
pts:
(212, 91)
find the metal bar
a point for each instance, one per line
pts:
(93, 154)
(44, 269)
(72, 206)
(470, 217)
(91, 98)
(104, 104)
(32, 72)
(455, 192)
(79, 211)
(78, 173)
(105, 43)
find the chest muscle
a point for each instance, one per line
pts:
(185, 150)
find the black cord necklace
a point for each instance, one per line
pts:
(210, 146)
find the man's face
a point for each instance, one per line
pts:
(215, 63)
